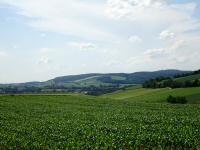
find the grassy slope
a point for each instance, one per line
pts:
(84, 122)
(155, 95)
(118, 78)
(192, 77)
(92, 81)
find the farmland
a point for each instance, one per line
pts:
(107, 122)
(99, 75)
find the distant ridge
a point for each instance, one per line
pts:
(121, 78)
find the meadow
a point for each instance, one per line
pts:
(105, 122)
(159, 95)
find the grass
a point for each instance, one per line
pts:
(85, 122)
(190, 78)
(118, 78)
(155, 95)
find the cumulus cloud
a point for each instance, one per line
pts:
(45, 55)
(154, 53)
(82, 45)
(162, 52)
(166, 34)
(158, 13)
(119, 9)
(87, 46)
(44, 60)
(177, 52)
(107, 26)
(177, 20)
(135, 39)
(180, 53)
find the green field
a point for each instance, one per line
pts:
(120, 120)
(139, 94)
(190, 78)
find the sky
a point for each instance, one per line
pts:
(43, 39)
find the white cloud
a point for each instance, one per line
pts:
(45, 55)
(185, 7)
(154, 53)
(104, 29)
(87, 46)
(76, 28)
(154, 13)
(166, 34)
(180, 54)
(82, 45)
(44, 60)
(135, 39)
(162, 52)
(119, 9)
(177, 20)
(64, 17)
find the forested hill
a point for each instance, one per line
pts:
(121, 78)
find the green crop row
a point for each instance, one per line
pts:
(81, 122)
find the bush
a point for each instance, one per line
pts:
(177, 100)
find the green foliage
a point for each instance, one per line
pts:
(84, 122)
(177, 100)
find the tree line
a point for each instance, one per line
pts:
(153, 83)
(90, 90)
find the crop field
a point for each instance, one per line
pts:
(86, 122)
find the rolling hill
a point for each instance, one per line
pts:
(188, 78)
(94, 83)
(114, 78)
(156, 94)
(139, 94)
(191, 79)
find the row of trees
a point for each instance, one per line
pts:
(154, 83)
(15, 90)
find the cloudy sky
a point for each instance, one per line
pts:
(42, 39)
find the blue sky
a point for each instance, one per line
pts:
(42, 39)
